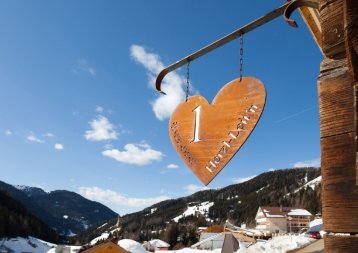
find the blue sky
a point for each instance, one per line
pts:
(78, 110)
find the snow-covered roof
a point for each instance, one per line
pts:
(279, 212)
(275, 216)
(316, 225)
(156, 243)
(131, 246)
(299, 212)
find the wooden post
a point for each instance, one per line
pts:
(338, 132)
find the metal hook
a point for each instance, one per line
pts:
(297, 4)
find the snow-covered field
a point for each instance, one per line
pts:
(187, 250)
(277, 244)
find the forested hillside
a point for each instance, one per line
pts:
(237, 203)
(16, 220)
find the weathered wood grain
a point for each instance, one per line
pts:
(335, 93)
(206, 136)
(332, 23)
(351, 36)
(340, 244)
(340, 195)
(312, 20)
(338, 148)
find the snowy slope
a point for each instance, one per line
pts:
(104, 236)
(202, 208)
(312, 184)
(30, 244)
(73, 249)
(20, 244)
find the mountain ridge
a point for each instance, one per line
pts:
(65, 211)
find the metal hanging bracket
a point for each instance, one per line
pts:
(287, 9)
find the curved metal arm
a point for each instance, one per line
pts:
(297, 4)
(220, 42)
(287, 8)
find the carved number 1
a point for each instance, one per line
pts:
(196, 124)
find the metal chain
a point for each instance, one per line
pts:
(241, 54)
(187, 81)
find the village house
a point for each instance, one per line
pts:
(282, 219)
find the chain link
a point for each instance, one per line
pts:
(187, 81)
(241, 54)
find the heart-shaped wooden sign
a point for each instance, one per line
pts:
(208, 136)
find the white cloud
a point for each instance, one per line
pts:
(82, 65)
(240, 180)
(8, 132)
(99, 109)
(172, 166)
(172, 85)
(308, 163)
(59, 146)
(32, 137)
(271, 169)
(101, 130)
(50, 135)
(137, 154)
(192, 188)
(118, 199)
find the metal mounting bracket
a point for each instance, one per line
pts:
(287, 9)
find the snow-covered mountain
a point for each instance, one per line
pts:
(67, 212)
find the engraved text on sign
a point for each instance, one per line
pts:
(206, 136)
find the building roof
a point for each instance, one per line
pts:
(280, 212)
(299, 212)
(156, 243)
(230, 244)
(106, 247)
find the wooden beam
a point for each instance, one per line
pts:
(312, 20)
(340, 195)
(340, 243)
(337, 105)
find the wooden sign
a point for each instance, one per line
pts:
(207, 136)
